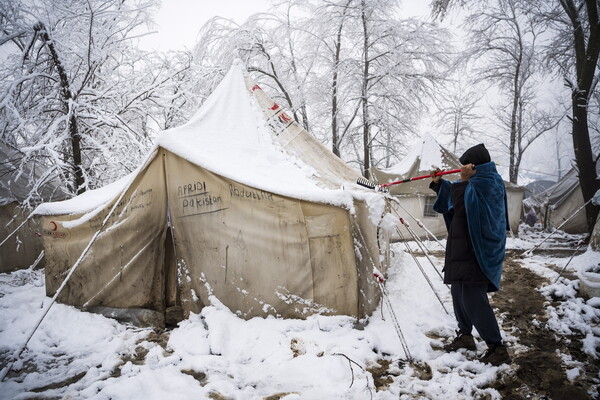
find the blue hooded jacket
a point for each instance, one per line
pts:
(487, 214)
(487, 217)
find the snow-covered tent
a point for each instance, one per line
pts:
(22, 185)
(240, 204)
(415, 197)
(559, 203)
(536, 187)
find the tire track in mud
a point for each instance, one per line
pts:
(538, 372)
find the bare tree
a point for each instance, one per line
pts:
(574, 53)
(72, 93)
(281, 64)
(328, 25)
(532, 122)
(457, 109)
(502, 42)
(350, 65)
(401, 62)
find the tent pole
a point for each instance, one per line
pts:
(421, 246)
(568, 262)
(419, 242)
(419, 223)
(379, 279)
(38, 260)
(423, 272)
(17, 353)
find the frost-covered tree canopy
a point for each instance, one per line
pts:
(80, 98)
(77, 96)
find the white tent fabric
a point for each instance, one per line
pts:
(557, 205)
(239, 203)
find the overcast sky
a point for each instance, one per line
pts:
(179, 21)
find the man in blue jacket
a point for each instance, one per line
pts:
(476, 217)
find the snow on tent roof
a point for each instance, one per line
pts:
(229, 136)
(424, 156)
(87, 201)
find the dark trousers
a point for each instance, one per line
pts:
(472, 309)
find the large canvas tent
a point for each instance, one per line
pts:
(558, 204)
(415, 199)
(241, 205)
(22, 185)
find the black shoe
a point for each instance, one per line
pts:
(462, 341)
(496, 354)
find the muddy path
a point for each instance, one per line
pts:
(538, 371)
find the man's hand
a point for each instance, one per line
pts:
(466, 172)
(434, 178)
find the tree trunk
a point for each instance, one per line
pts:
(584, 156)
(456, 131)
(335, 146)
(364, 96)
(586, 62)
(335, 139)
(67, 97)
(512, 169)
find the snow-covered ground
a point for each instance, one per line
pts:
(215, 354)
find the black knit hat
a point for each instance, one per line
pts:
(476, 155)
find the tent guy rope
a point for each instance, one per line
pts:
(418, 221)
(16, 230)
(84, 253)
(422, 270)
(528, 252)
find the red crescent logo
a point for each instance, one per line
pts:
(54, 226)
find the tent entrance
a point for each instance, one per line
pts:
(173, 310)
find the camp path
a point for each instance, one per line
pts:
(538, 369)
